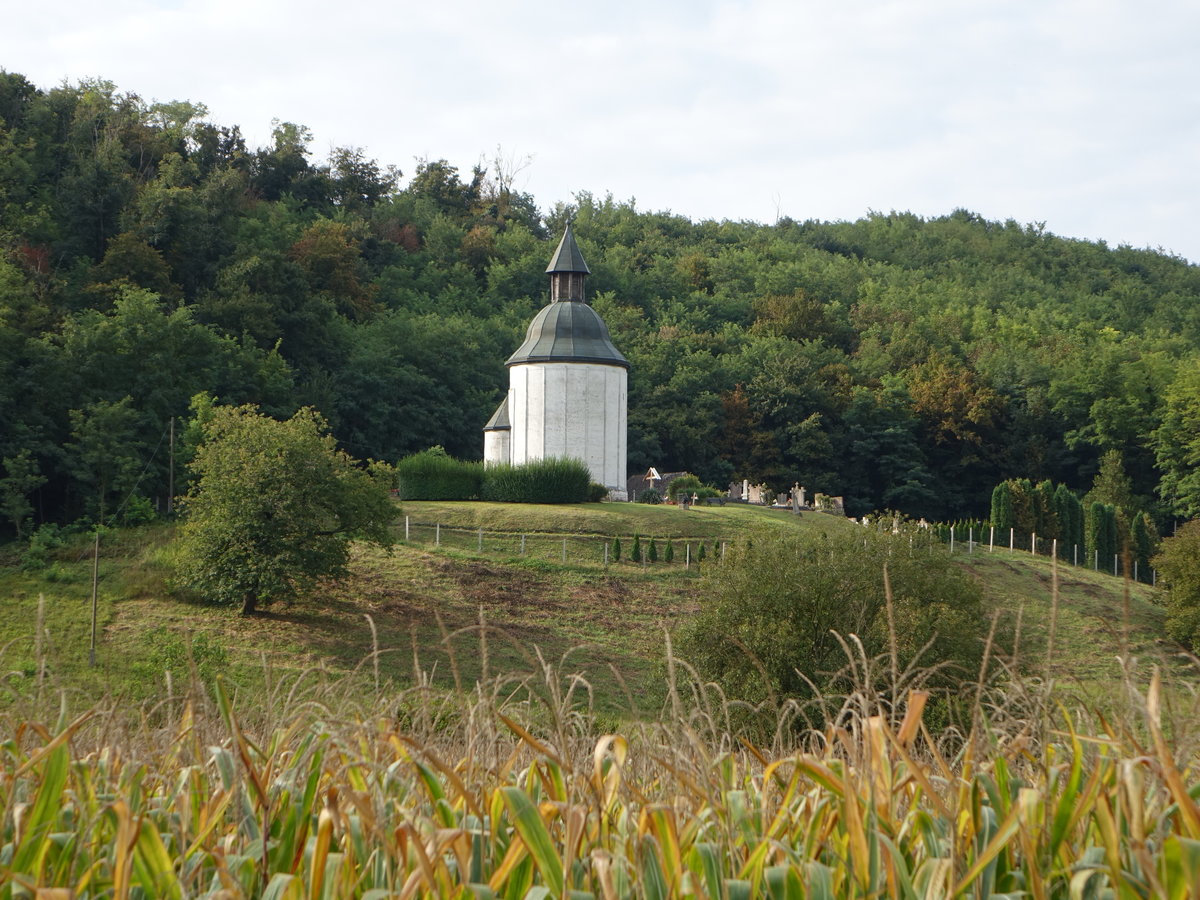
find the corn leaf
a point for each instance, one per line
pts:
(532, 830)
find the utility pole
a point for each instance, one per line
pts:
(171, 472)
(95, 584)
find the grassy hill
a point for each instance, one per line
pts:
(454, 602)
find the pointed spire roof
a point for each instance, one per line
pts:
(567, 257)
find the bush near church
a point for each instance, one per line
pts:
(540, 481)
(771, 609)
(688, 485)
(435, 475)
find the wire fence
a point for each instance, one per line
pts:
(1008, 540)
(686, 554)
(683, 554)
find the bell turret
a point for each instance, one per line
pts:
(567, 270)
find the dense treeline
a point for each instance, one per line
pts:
(148, 255)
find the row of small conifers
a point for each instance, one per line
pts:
(500, 800)
(647, 551)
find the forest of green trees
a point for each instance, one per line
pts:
(148, 255)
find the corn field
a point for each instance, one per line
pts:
(513, 791)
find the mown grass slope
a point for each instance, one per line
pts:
(450, 612)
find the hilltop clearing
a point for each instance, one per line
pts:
(422, 606)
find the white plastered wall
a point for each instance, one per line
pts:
(497, 447)
(571, 409)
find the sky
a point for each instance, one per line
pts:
(1083, 117)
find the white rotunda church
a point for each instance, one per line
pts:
(568, 386)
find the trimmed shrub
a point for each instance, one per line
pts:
(435, 475)
(596, 492)
(1070, 519)
(540, 481)
(688, 485)
(1101, 533)
(1002, 507)
(1024, 515)
(649, 495)
(1046, 516)
(1145, 543)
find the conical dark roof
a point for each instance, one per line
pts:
(568, 332)
(567, 257)
(499, 420)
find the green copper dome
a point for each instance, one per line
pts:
(568, 331)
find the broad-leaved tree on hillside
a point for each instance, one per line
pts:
(274, 508)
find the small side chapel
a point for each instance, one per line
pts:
(568, 386)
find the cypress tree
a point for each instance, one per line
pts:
(1002, 507)
(669, 553)
(1111, 484)
(653, 554)
(1111, 533)
(1145, 542)
(1024, 516)
(635, 552)
(1095, 531)
(1047, 518)
(1064, 512)
(701, 554)
(616, 549)
(1076, 519)
(1138, 541)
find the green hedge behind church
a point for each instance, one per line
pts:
(435, 475)
(541, 481)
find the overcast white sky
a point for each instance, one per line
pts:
(1081, 115)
